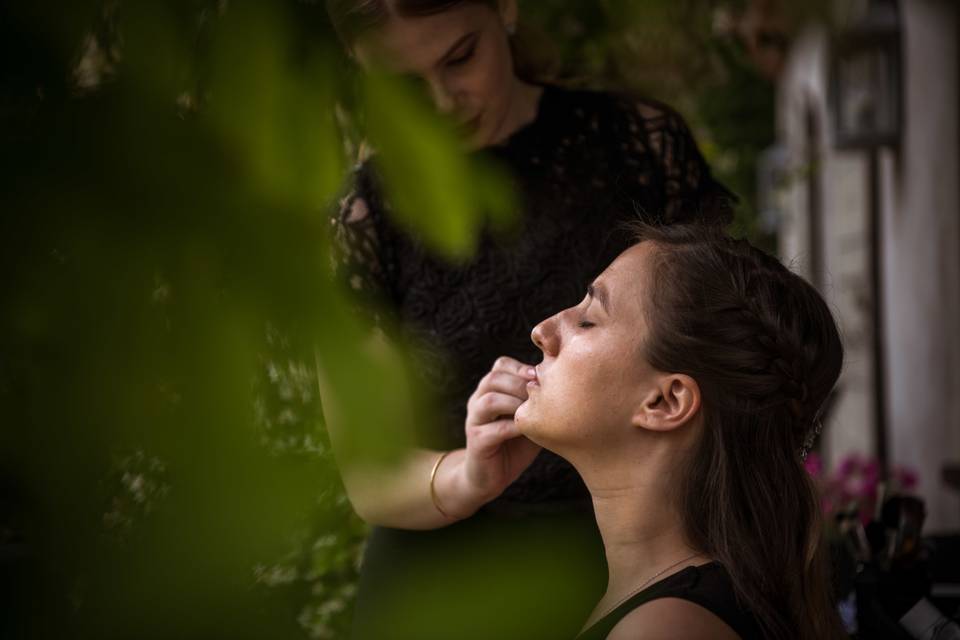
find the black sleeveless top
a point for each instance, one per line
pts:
(708, 585)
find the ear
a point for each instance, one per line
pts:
(670, 404)
(509, 13)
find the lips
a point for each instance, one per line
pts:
(536, 379)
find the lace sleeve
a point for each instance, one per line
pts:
(359, 260)
(689, 189)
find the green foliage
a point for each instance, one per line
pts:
(426, 169)
(167, 174)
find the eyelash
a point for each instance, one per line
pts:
(585, 324)
(456, 62)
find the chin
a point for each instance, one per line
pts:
(526, 419)
(530, 424)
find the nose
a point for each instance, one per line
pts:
(544, 335)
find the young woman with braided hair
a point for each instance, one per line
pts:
(685, 389)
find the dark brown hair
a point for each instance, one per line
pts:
(534, 57)
(353, 18)
(765, 351)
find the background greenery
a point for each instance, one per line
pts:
(168, 170)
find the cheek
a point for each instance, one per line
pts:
(488, 80)
(583, 397)
(546, 421)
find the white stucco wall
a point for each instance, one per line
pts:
(920, 208)
(922, 267)
(843, 176)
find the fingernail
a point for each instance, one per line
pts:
(532, 372)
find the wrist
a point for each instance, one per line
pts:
(457, 498)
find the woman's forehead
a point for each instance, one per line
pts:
(627, 276)
(632, 263)
(415, 44)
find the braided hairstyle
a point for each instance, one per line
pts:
(765, 352)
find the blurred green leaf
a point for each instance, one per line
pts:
(437, 190)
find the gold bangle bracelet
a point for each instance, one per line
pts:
(433, 489)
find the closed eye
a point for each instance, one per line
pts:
(585, 324)
(462, 59)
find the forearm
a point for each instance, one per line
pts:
(399, 496)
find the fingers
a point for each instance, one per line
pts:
(520, 452)
(503, 382)
(507, 376)
(506, 429)
(506, 364)
(487, 407)
(491, 407)
(486, 439)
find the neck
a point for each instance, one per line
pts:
(642, 535)
(642, 531)
(523, 111)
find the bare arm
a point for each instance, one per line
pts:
(398, 496)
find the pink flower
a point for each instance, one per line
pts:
(871, 470)
(848, 465)
(907, 478)
(865, 488)
(855, 483)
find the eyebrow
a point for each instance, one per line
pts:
(456, 45)
(596, 290)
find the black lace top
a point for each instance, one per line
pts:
(588, 162)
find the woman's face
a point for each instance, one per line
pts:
(463, 57)
(593, 376)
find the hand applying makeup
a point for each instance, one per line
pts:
(496, 452)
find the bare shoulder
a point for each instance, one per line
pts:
(671, 618)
